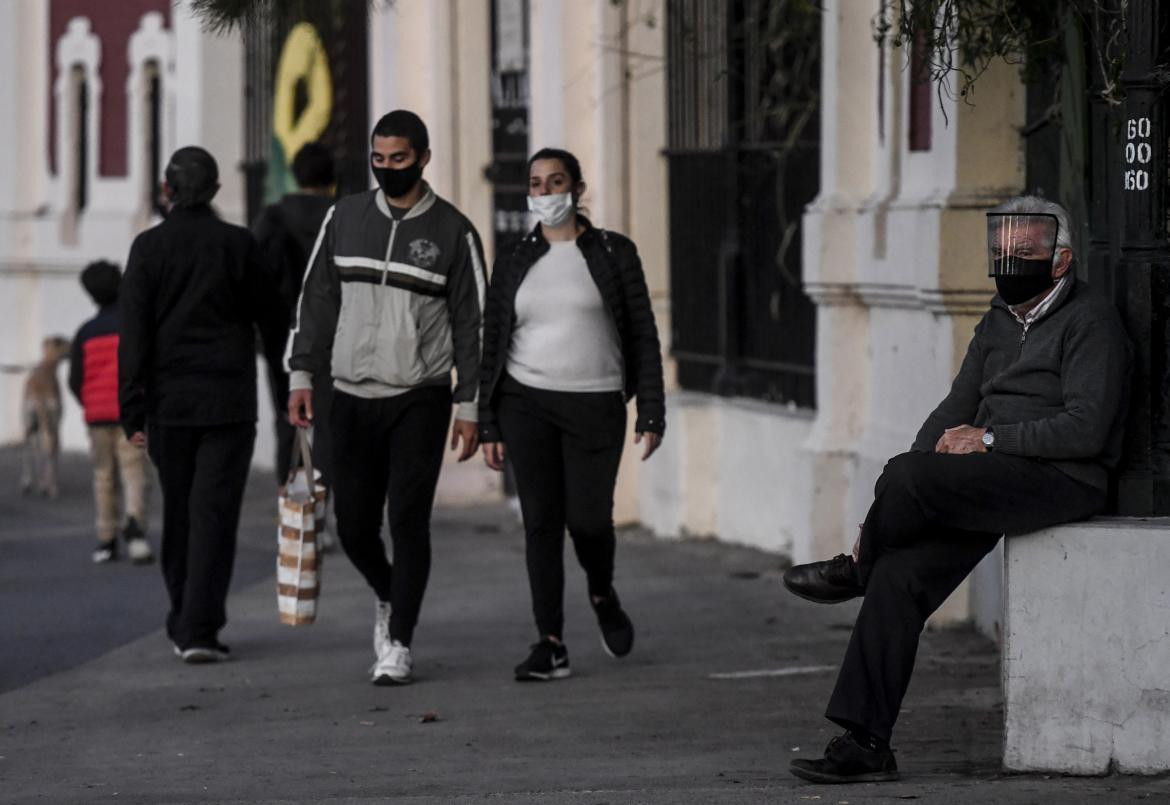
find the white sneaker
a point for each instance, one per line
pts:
(393, 667)
(381, 628)
(139, 551)
(105, 552)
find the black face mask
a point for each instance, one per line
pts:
(397, 183)
(1015, 290)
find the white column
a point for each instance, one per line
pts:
(209, 106)
(547, 73)
(24, 138)
(384, 76)
(151, 42)
(837, 252)
(188, 77)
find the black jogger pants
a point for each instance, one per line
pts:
(565, 448)
(202, 471)
(387, 453)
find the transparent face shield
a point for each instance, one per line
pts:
(1021, 244)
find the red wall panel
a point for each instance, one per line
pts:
(112, 23)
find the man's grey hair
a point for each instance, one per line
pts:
(1034, 204)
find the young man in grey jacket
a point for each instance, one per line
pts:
(392, 299)
(1027, 438)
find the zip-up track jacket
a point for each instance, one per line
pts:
(390, 304)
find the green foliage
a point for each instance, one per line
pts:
(963, 37)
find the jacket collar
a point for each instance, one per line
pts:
(536, 241)
(425, 203)
(191, 211)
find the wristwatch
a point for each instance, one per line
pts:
(989, 439)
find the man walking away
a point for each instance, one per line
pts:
(286, 232)
(93, 379)
(194, 291)
(393, 300)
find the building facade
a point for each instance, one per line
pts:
(808, 211)
(99, 94)
(814, 305)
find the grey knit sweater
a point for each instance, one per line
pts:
(1058, 392)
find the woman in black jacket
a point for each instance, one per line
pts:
(569, 337)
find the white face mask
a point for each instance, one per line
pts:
(552, 210)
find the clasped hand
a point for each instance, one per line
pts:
(961, 439)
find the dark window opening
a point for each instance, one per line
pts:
(508, 172)
(153, 135)
(81, 177)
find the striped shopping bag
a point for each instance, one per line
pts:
(302, 514)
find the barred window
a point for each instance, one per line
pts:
(743, 83)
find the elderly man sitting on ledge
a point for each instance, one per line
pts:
(1026, 439)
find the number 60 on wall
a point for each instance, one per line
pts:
(1137, 150)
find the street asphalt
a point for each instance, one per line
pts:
(726, 684)
(59, 609)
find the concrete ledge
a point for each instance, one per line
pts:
(1086, 660)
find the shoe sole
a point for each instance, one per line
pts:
(836, 779)
(387, 681)
(819, 600)
(536, 676)
(613, 653)
(202, 656)
(146, 560)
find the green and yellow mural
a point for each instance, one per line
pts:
(302, 104)
(307, 79)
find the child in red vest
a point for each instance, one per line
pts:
(93, 378)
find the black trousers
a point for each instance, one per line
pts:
(933, 518)
(565, 448)
(388, 455)
(202, 472)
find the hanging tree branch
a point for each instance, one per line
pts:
(224, 16)
(961, 38)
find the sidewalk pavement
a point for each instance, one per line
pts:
(726, 683)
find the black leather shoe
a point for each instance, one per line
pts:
(847, 761)
(828, 582)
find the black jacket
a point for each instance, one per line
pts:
(193, 290)
(286, 232)
(1057, 392)
(614, 264)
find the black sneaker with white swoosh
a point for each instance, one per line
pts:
(547, 661)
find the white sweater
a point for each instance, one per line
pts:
(564, 338)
